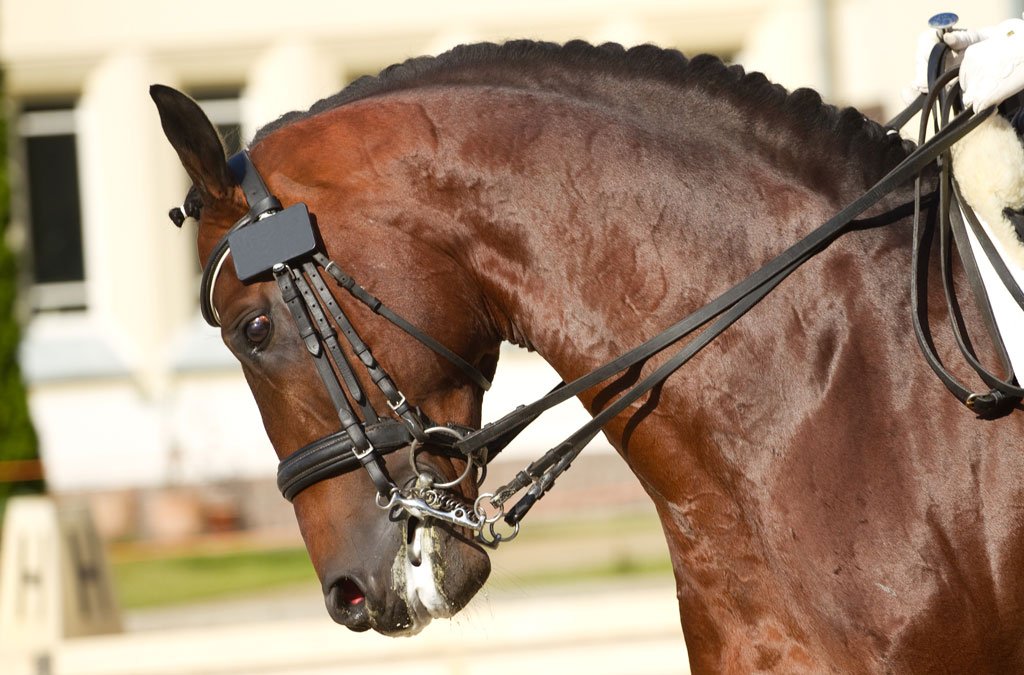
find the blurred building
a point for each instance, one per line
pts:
(129, 387)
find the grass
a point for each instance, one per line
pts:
(192, 574)
(180, 578)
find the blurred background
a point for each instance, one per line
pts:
(140, 414)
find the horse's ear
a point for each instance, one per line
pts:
(195, 139)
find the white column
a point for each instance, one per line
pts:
(138, 266)
(290, 75)
(783, 46)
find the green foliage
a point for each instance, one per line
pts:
(17, 436)
(593, 548)
(191, 578)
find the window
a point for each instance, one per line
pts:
(53, 206)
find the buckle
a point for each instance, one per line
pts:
(395, 406)
(365, 453)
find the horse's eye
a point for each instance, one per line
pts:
(258, 329)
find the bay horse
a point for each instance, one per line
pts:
(827, 506)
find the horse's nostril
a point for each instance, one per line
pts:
(346, 603)
(349, 592)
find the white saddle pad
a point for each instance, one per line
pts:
(989, 166)
(1008, 315)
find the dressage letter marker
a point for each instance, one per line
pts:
(54, 581)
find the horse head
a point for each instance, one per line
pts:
(379, 568)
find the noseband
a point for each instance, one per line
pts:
(280, 243)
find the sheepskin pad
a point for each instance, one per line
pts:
(989, 166)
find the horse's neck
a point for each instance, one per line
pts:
(600, 242)
(588, 234)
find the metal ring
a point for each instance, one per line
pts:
(498, 538)
(495, 537)
(392, 500)
(482, 512)
(415, 446)
(454, 433)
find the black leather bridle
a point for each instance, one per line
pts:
(277, 242)
(271, 241)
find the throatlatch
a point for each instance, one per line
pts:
(280, 243)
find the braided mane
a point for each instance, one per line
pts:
(659, 85)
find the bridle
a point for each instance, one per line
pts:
(270, 240)
(277, 242)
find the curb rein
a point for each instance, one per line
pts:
(281, 242)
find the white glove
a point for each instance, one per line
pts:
(993, 62)
(960, 40)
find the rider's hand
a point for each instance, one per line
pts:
(960, 40)
(993, 62)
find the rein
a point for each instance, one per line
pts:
(1004, 394)
(271, 241)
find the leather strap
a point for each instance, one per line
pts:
(396, 400)
(378, 307)
(289, 283)
(1002, 396)
(561, 457)
(329, 338)
(257, 196)
(954, 226)
(1004, 274)
(905, 115)
(335, 455)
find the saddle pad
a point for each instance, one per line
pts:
(1009, 317)
(989, 166)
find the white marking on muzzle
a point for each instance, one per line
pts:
(423, 575)
(417, 576)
